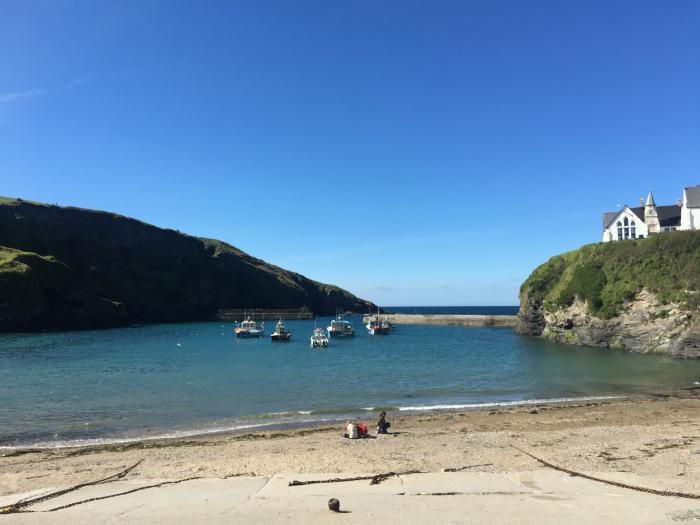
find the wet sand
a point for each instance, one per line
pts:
(657, 438)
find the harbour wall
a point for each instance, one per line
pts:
(449, 320)
(259, 314)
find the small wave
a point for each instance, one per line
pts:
(284, 419)
(343, 411)
(271, 415)
(178, 434)
(348, 411)
(506, 403)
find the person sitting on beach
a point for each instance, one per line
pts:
(362, 430)
(382, 424)
(350, 430)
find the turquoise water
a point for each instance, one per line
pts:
(180, 379)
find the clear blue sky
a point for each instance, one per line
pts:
(413, 152)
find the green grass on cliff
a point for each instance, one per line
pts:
(73, 268)
(11, 259)
(608, 274)
(14, 200)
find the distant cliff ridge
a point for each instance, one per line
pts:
(71, 268)
(638, 295)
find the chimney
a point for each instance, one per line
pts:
(641, 200)
(679, 203)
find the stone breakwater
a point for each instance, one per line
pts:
(449, 320)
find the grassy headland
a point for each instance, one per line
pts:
(72, 268)
(639, 295)
(606, 275)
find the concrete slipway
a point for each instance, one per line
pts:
(535, 497)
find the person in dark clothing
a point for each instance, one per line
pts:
(382, 424)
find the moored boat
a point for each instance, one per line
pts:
(377, 326)
(340, 327)
(249, 328)
(319, 339)
(281, 333)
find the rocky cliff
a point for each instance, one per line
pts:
(71, 268)
(639, 295)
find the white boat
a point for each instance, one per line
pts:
(249, 328)
(339, 327)
(377, 326)
(281, 333)
(319, 339)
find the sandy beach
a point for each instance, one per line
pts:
(654, 442)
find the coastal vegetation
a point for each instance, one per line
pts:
(72, 268)
(640, 295)
(607, 275)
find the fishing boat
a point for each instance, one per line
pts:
(249, 328)
(340, 327)
(281, 333)
(319, 339)
(377, 326)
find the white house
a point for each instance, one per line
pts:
(649, 219)
(690, 212)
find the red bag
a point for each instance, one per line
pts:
(361, 428)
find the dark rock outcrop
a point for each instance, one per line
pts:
(530, 319)
(71, 268)
(689, 344)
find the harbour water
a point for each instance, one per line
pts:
(91, 387)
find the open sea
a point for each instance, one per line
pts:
(174, 380)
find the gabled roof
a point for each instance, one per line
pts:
(610, 216)
(692, 195)
(668, 215)
(639, 212)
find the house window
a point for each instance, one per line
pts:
(619, 230)
(633, 230)
(627, 229)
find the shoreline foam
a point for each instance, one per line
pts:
(465, 460)
(238, 429)
(655, 436)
